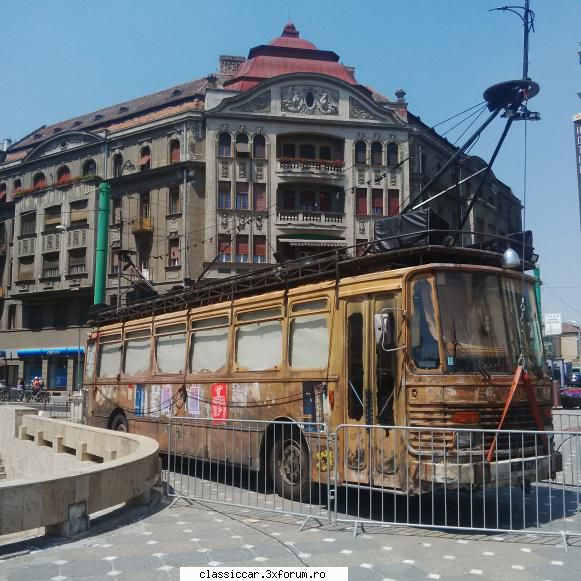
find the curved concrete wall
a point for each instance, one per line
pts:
(76, 471)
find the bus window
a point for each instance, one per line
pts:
(424, 332)
(90, 360)
(137, 352)
(259, 344)
(355, 371)
(109, 356)
(209, 345)
(309, 342)
(386, 362)
(318, 305)
(170, 348)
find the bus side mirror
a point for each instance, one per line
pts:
(385, 330)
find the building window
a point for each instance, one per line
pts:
(50, 265)
(52, 218)
(32, 369)
(117, 165)
(224, 195)
(89, 168)
(77, 261)
(114, 262)
(288, 200)
(288, 150)
(376, 153)
(392, 202)
(361, 152)
(144, 206)
(242, 147)
(174, 252)
(361, 202)
(325, 203)
(28, 224)
(259, 253)
(242, 248)
(307, 151)
(377, 202)
(16, 186)
(224, 144)
(116, 210)
(145, 159)
(39, 181)
(174, 200)
(224, 247)
(63, 175)
(79, 214)
(241, 196)
(259, 197)
(307, 201)
(325, 152)
(174, 151)
(259, 147)
(11, 317)
(392, 154)
(26, 268)
(57, 373)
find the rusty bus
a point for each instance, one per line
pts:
(433, 344)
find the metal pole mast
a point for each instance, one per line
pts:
(102, 243)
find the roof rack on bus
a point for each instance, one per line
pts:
(400, 251)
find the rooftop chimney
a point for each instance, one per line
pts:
(5, 144)
(229, 65)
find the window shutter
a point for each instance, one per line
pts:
(52, 216)
(242, 244)
(79, 211)
(361, 202)
(224, 244)
(377, 201)
(393, 202)
(26, 269)
(259, 191)
(77, 258)
(259, 246)
(175, 152)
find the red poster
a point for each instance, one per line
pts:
(219, 401)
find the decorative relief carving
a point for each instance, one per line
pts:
(242, 170)
(358, 111)
(260, 104)
(309, 100)
(259, 172)
(224, 170)
(392, 179)
(377, 177)
(360, 177)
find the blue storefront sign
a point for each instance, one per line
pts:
(51, 352)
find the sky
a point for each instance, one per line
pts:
(68, 57)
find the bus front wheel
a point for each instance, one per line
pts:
(289, 465)
(119, 423)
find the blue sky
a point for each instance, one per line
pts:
(67, 57)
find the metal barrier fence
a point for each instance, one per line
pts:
(65, 408)
(459, 479)
(247, 462)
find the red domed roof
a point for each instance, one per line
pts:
(287, 54)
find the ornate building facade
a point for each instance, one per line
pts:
(273, 157)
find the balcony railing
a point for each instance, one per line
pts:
(302, 166)
(76, 269)
(301, 216)
(142, 226)
(77, 238)
(50, 273)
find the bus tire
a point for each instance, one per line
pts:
(119, 423)
(289, 464)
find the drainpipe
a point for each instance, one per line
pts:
(102, 243)
(537, 274)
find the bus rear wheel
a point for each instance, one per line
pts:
(119, 423)
(289, 465)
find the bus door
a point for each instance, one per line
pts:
(358, 402)
(384, 376)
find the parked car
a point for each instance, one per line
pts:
(571, 397)
(574, 380)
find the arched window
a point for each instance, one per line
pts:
(376, 153)
(145, 159)
(224, 144)
(174, 151)
(242, 148)
(361, 152)
(39, 180)
(259, 147)
(392, 154)
(16, 186)
(117, 165)
(63, 174)
(89, 168)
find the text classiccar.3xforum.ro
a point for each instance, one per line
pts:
(260, 573)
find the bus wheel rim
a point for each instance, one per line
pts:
(291, 463)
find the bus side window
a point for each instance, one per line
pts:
(170, 348)
(259, 342)
(209, 345)
(109, 361)
(137, 352)
(424, 332)
(309, 335)
(355, 366)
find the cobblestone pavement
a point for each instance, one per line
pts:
(192, 534)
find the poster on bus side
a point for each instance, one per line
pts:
(219, 402)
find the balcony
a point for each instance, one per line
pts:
(310, 168)
(50, 242)
(26, 246)
(142, 225)
(77, 238)
(301, 217)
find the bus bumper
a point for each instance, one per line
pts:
(486, 474)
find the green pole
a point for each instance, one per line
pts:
(102, 243)
(537, 273)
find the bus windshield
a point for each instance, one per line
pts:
(480, 323)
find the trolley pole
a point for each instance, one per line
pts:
(102, 243)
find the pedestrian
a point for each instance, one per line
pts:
(41, 385)
(20, 384)
(35, 385)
